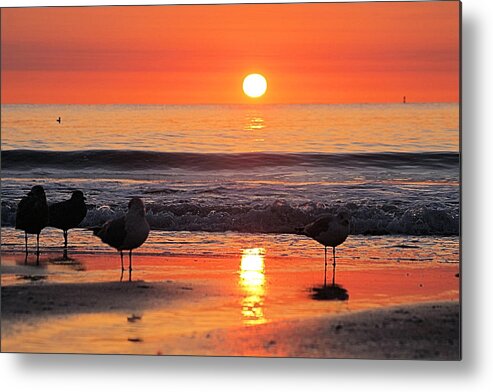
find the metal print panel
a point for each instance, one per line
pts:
(271, 180)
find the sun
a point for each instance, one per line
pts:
(254, 85)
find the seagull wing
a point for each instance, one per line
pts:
(67, 214)
(25, 209)
(113, 232)
(315, 228)
(59, 213)
(32, 214)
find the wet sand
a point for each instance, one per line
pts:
(229, 306)
(427, 331)
(24, 302)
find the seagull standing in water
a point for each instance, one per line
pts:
(32, 215)
(328, 230)
(68, 214)
(127, 232)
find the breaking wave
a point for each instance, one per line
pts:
(283, 217)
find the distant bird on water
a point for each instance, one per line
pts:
(328, 230)
(127, 232)
(32, 215)
(68, 214)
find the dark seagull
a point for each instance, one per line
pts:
(328, 230)
(32, 215)
(68, 214)
(127, 232)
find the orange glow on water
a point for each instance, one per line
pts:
(233, 129)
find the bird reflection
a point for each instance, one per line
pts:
(252, 281)
(330, 292)
(73, 264)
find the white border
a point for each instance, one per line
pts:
(121, 373)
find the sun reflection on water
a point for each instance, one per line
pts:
(252, 281)
(254, 122)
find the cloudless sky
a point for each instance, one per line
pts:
(309, 53)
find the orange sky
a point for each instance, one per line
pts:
(309, 53)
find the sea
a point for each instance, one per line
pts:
(230, 171)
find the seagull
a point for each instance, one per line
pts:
(32, 215)
(328, 230)
(127, 232)
(59, 120)
(68, 214)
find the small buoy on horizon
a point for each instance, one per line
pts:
(404, 99)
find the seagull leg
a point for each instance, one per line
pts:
(130, 265)
(37, 249)
(65, 246)
(334, 266)
(325, 271)
(121, 259)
